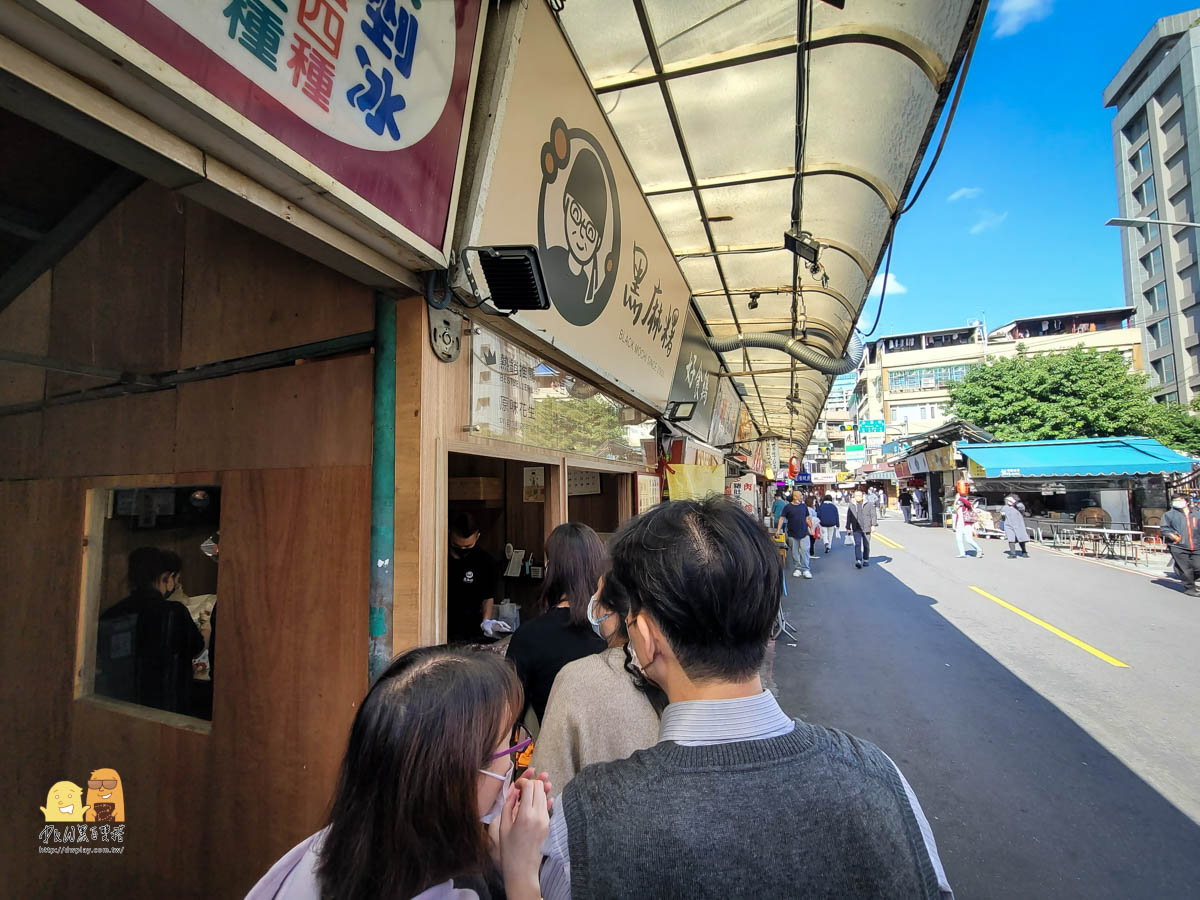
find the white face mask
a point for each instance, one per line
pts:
(591, 615)
(1180, 503)
(498, 806)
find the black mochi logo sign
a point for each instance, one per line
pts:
(579, 224)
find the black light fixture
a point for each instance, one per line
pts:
(753, 304)
(679, 410)
(803, 245)
(514, 277)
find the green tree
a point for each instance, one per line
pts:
(568, 423)
(1079, 393)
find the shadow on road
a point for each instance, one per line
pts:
(1023, 802)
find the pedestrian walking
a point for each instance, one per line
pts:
(830, 519)
(861, 519)
(906, 499)
(1013, 515)
(814, 525)
(918, 503)
(1181, 530)
(965, 518)
(778, 506)
(796, 516)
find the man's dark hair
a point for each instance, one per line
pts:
(463, 525)
(146, 565)
(172, 562)
(709, 575)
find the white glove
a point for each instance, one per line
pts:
(492, 627)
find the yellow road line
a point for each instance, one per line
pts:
(887, 541)
(1111, 660)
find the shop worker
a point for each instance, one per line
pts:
(471, 582)
(159, 632)
(1181, 532)
(797, 515)
(736, 799)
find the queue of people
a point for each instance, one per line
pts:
(661, 768)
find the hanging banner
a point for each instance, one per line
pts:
(941, 459)
(695, 482)
(917, 464)
(556, 180)
(365, 100)
(695, 378)
(725, 414)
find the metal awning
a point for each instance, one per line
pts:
(719, 105)
(1088, 457)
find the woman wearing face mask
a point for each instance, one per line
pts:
(601, 708)
(423, 807)
(575, 560)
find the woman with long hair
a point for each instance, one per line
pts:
(602, 707)
(575, 560)
(423, 806)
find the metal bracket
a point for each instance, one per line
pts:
(445, 334)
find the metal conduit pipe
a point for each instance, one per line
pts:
(814, 359)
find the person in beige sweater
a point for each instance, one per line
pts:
(596, 713)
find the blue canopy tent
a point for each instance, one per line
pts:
(1113, 457)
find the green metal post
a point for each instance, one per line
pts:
(383, 488)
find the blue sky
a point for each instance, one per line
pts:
(1012, 221)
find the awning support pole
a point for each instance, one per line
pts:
(383, 489)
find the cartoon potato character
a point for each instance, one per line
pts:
(64, 803)
(106, 797)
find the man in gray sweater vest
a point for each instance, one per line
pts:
(736, 799)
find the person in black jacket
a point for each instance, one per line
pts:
(1180, 530)
(164, 639)
(575, 560)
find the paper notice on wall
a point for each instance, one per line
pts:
(535, 484)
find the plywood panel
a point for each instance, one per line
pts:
(39, 568)
(21, 445)
(245, 294)
(315, 414)
(121, 435)
(117, 296)
(25, 327)
(292, 658)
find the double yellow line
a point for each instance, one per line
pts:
(886, 540)
(1082, 645)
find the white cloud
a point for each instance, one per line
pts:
(893, 283)
(987, 219)
(1013, 15)
(964, 193)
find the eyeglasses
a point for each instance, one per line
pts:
(107, 784)
(580, 218)
(523, 742)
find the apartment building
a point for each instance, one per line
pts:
(1155, 97)
(904, 379)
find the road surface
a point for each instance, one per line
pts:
(1043, 709)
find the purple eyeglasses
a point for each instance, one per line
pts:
(523, 743)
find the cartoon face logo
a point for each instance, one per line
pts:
(64, 803)
(579, 224)
(468, 577)
(106, 797)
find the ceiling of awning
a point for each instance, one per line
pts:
(703, 96)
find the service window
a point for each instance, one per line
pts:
(150, 597)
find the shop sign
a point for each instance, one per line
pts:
(874, 442)
(756, 461)
(649, 493)
(771, 454)
(516, 396)
(824, 478)
(725, 414)
(363, 99)
(975, 470)
(744, 492)
(696, 379)
(941, 459)
(1010, 473)
(918, 465)
(843, 477)
(556, 179)
(903, 470)
(856, 455)
(803, 478)
(745, 426)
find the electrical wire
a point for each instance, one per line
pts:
(891, 235)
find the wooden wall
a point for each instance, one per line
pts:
(163, 284)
